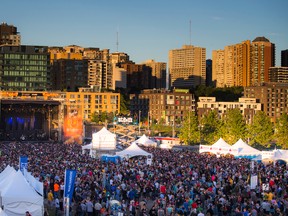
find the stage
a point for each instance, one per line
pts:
(29, 120)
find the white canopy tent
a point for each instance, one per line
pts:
(18, 197)
(145, 141)
(2, 213)
(6, 173)
(280, 155)
(104, 140)
(218, 148)
(132, 151)
(244, 150)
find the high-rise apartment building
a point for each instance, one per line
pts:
(209, 72)
(73, 67)
(278, 74)
(9, 35)
(262, 58)
(187, 67)
(218, 72)
(24, 68)
(284, 58)
(138, 76)
(243, 64)
(158, 73)
(272, 96)
(119, 74)
(231, 65)
(69, 74)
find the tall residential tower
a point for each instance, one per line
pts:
(187, 66)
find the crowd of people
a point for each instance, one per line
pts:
(177, 182)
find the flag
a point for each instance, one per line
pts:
(69, 181)
(23, 163)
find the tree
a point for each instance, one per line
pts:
(281, 131)
(210, 124)
(261, 130)
(233, 127)
(189, 132)
(95, 117)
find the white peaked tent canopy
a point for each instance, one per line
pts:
(6, 172)
(219, 147)
(18, 197)
(132, 151)
(2, 213)
(280, 155)
(244, 149)
(104, 140)
(145, 141)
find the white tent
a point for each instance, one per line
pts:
(18, 197)
(132, 151)
(218, 148)
(280, 155)
(2, 213)
(145, 141)
(244, 150)
(6, 172)
(104, 140)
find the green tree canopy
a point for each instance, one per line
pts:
(233, 127)
(210, 124)
(281, 131)
(189, 132)
(261, 130)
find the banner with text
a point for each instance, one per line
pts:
(23, 163)
(69, 182)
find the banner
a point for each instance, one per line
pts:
(69, 181)
(253, 181)
(23, 163)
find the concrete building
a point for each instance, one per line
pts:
(218, 72)
(24, 68)
(158, 73)
(162, 105)
(138, 76)
(278, 74)
(284, 58)
(187, 67)
(247, 106)
(243, 64)
(272, 96)
(119, 73)
(9, 35)
(69, 74)
(209, 73)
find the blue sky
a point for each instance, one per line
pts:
(148, 29)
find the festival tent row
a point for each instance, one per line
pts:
(17, 196)
(242, 150)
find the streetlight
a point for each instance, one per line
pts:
(139, 120)
(199, 127)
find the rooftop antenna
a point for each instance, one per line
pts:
(190, 32)
(117, 42)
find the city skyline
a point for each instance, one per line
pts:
(148, 29)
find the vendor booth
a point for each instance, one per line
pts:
(145, 141)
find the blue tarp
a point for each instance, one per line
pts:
(110, 158)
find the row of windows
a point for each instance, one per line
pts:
(25, 73)
(25, 56)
